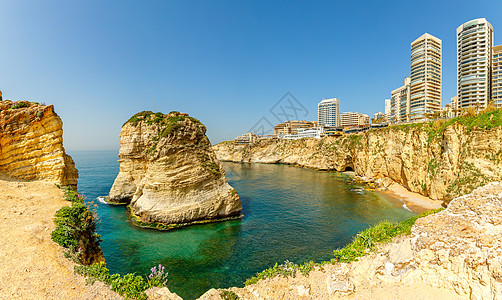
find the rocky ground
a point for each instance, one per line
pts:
(32, 265)
(453, 254)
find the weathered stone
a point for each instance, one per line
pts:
(169, 173)
(453, 254)
(163, 293)
(31, 144)
(441, 167)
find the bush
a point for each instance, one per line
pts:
(76, 229)
(363, 243)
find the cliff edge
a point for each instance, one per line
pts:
(168, 172)
(452, 254)
(31, 144)
(440, 160)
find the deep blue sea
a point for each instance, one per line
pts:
(290, 213)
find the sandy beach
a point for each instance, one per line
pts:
(415, 202)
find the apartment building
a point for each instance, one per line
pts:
(497, 76)
(425, 74)
(291, 127)
(328, 112)
(474, 61)
(400, 103)
(349, 119)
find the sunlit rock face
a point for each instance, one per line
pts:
(441, 164)
(168, 172)
(31, 144)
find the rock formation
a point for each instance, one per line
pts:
(169, 173)
(31, 144)
(453, 254)
(441, 163)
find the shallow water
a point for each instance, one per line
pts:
(289, 214)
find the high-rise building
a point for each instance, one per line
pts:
(328, 112)
(400, 103)
(425, 87)
(387, 109)
(348, 119)
(497, 76)
(474, 60)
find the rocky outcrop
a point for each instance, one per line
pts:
(31, 144)
(169, 173)
(438, 160)
(453, 254)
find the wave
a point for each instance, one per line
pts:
(103, 199)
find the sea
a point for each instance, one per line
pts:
(290, 213)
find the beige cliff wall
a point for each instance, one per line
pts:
(169, 173)
(440, 163)
(31, 144)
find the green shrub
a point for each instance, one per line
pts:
(362, 244)
(228, 295)
(94, 272)
(381, 233)
(19, 104)
(130, 286)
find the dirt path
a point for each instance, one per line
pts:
(32, 265)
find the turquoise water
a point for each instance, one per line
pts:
(289, 214)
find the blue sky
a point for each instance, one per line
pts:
(224, 62)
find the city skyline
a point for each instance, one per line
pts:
(225, 63)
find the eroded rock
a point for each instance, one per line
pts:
(169, 173)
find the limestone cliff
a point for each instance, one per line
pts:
(31, 144)
(453, 254)
(438, 160)
(169, 173)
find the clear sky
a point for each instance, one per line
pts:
(224, 62)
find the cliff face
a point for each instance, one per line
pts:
(31, 144)
(440, 161)
(453, 254)
(169, 173)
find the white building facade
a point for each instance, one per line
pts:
(328, 112)
(400, 103)
(348, 119)
(497, 76)
(425, 74)
(474, 60)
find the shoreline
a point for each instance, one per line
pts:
(402, 197)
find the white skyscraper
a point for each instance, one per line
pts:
(328, 112)
(474, 59)
(425, 86)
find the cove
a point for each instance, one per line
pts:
(290, 213)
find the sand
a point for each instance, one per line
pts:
(412, 201)
(32, 265)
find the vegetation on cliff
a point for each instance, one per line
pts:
(362, 244)
(442, 160)
(169, 175)
(75, 230)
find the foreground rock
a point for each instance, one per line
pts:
(169, 173)
(454, 254)
(33, 266)
(31, 144)
(441, 163)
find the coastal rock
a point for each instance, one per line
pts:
(31, 144)
(453, 254)
(169, 173)
(440, 163)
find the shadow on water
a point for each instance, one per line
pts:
(290, 214)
